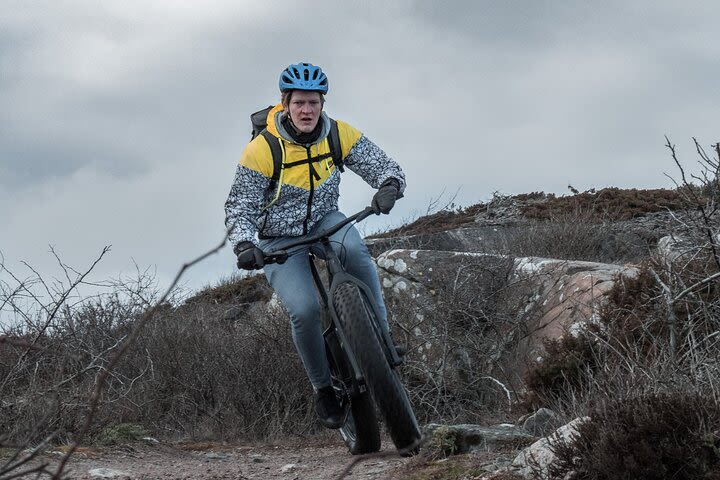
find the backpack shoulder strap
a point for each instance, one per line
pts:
(335, 146)
(276, 151)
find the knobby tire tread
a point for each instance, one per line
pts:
(363, 434)
(387, 390)
(367, 428)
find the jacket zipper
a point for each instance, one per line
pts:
(312, 174)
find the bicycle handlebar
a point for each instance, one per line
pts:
(280, 256)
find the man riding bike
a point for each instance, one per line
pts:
(301, 201)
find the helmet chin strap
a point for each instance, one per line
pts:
(292, 124)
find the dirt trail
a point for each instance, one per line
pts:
(239, 462)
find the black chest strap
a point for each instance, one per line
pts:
(277, 154)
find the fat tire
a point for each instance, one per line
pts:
(387, 389)
(361, 429)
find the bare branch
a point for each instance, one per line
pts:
(697, 285)
(137, 328)
(51, 314)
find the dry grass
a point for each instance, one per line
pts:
(607, 204)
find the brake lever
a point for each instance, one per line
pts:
(278, 257)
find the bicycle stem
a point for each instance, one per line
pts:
(321, 236)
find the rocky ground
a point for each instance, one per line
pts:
(217, 461)
(324, 461)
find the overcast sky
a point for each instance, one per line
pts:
(122, 121)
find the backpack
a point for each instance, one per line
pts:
(259, 127)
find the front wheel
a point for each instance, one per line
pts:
(387, 390)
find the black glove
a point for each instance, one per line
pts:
(249, 257)
(384, 199)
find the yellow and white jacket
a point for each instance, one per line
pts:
(308, 187)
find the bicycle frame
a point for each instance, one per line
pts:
(338, 275)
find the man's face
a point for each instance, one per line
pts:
(304, 109)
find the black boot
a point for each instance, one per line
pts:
(328, 409)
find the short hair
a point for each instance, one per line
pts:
(286, 96)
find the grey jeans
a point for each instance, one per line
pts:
(293, 283)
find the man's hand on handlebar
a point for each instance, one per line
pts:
(384, 199)
(249, 257)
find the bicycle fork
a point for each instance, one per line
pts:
(338, 275)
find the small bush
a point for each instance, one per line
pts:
(442, 443)
(573, 236)
(119, 434)
(192, 374)
(253, 288)
(673, 435)
(634, 313)
(566, 367)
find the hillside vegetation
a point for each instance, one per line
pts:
(221, 365)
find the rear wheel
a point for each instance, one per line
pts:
(387, 390)
(361, 430)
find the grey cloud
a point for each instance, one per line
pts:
(197, 95)
(22, 165)
(510, 96)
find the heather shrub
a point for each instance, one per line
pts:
(609, 203)
(652, 394)
(660, 436)
(566, 368)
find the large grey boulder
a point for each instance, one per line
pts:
(682, 249)
(472, 238)
(542, 422)
(565, 296)
(535, 459)
(552, 298)
(463, 438)
(497, 228)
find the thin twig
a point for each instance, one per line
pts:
(695, 286)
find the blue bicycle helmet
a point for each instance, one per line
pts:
(303, 76)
